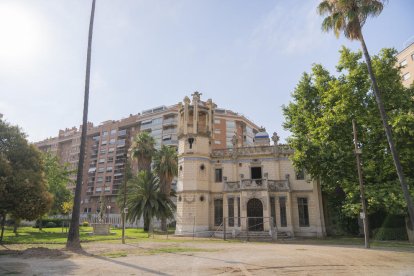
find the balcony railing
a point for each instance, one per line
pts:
(257, 184)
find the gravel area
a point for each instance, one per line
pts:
(205, 258)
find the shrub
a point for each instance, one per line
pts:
(85, 224)
(50, 224)
(384, 234)
(58, 222)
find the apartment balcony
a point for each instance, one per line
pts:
(89, 193)
(118, 172)
(94, 156)
(114, 192)
(122, 133)
(169, 122)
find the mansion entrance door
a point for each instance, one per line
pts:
(255, 214)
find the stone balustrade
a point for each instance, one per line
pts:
(257, 184)
(249, 151)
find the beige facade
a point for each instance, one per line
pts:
(406, 63)
(108, 143)
(240, 188)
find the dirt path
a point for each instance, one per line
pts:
(208, 258)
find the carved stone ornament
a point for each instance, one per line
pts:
(188, 200)
(275, 138)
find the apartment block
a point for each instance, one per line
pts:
(106, 152)
(406, 63)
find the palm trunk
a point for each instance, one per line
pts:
(388, 133)
(73, 241)
(3, 221)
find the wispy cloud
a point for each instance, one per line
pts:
(289, 28)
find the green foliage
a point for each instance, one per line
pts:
(23, 189)
(58, 177)
(166, 167)
(85, 224)
(320, 120)
(144, 199)
(389, 234)
(143, 149)
(348, 16)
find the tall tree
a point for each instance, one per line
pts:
(23, 188)
(349, 16)
(58, 177)
(166, 167)
(145, 199)
(320, 120)
(143, 149)
(73, 241)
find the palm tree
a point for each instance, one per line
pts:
(349, 16)
(73, 241)
(166, 167)
(146, 200)
(143, 149)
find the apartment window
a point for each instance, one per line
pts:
(300, 174)
(111, 150)
(121, 143)
(103, 151)
(217, 121)
(217, 131)
(303, 212)
(99, 189)
(104, 142)
(109, 169)
(273, 209)
(108, 178)
(406, 76)
(110, 159)
(99, 179)
(230, 204)
(217, 142)
(218, 212)
(107, 189)
(102, 160)
(113, 132)
(105, 133)
(112, 141)
(218, 175)
(282, 207)
(101, 170)
(403, 63)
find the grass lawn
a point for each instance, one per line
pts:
(29, 235)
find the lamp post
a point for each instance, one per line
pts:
(108, 208)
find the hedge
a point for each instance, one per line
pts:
(47, 222)
(384, 234)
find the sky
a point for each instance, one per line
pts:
(247, 56)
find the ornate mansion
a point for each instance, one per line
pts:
(242, 188)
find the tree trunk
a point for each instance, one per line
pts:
(163, 190)
(16, 225)
(3, 221)
(40, 224)
(146, 224)
(73, 241)
(388, 133)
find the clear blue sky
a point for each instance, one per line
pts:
(245, 55)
